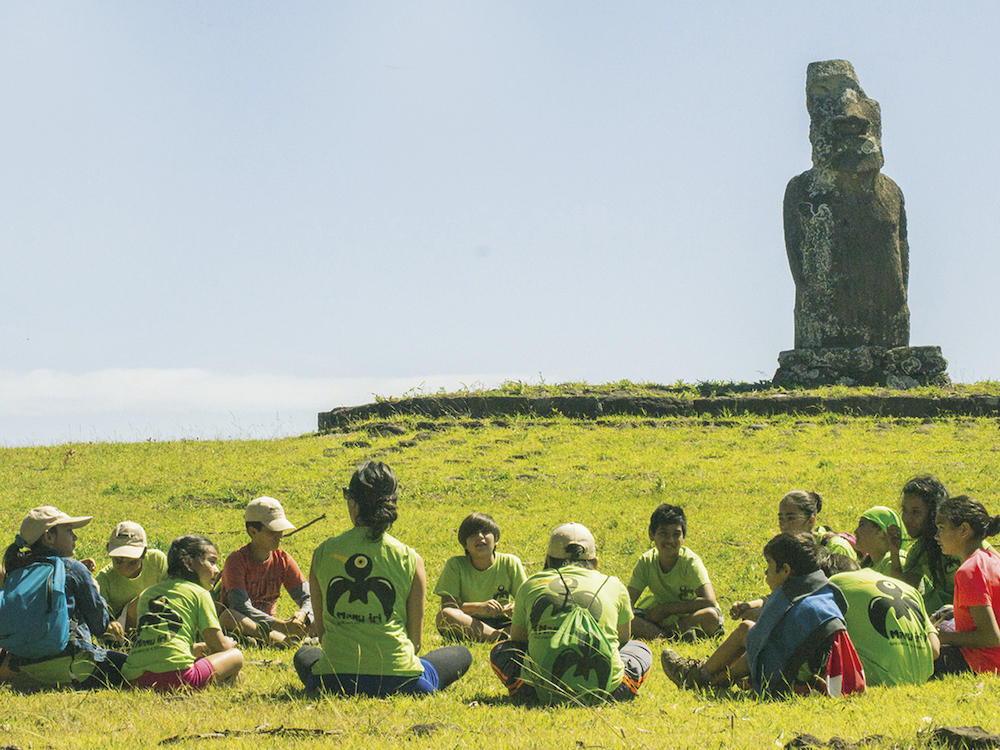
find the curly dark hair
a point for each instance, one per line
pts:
(929, 490)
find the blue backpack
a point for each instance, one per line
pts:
(34, 618)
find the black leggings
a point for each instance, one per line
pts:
(951, 660)
(451, 662)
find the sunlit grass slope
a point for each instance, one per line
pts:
(530, 475)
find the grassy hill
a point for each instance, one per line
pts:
(728, 472)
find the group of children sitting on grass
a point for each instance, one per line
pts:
(843, 610)
(835, 624)
(160, 604)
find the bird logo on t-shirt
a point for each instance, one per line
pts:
(358, 568)
(893, 600)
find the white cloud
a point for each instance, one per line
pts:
(44, 406)
(49, 392)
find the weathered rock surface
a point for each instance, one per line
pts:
(901, 367)
(845, 223)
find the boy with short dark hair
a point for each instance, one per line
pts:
(253, 575)
(477, 589)
(670, 590)
(790, 645)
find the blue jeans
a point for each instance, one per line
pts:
(441, 668)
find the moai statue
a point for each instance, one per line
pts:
(845, 227)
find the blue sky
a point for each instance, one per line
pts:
(219, 219)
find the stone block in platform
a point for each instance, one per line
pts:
(900, 367)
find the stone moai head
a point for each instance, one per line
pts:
(845, 127)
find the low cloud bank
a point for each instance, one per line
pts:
(44, 407)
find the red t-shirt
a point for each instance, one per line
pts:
(977, 584)
(261, 581)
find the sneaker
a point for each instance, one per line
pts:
(683, 672)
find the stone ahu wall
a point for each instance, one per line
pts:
(471, 410)
(899, 367)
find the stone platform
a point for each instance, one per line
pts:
(901, 367)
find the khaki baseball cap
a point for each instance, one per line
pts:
(41, 519)
(572, 533)
(127, 540)
(268, 511)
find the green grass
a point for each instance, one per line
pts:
(702, 389)
(728, 475)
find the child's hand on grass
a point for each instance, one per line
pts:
(296, 626)
(228, 642)
(115, 632)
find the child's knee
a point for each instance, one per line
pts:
(444, 619)
(742, 630)
(452, 624)
(709, 619)
(304, 660)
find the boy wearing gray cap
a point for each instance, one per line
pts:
(254, 575)
(569, 581)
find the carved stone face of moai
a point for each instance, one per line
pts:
(845, 127)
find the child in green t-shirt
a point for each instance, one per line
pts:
(873, 540)
(477, 589)
(133, 568)
(676, 594)
(180, 644)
